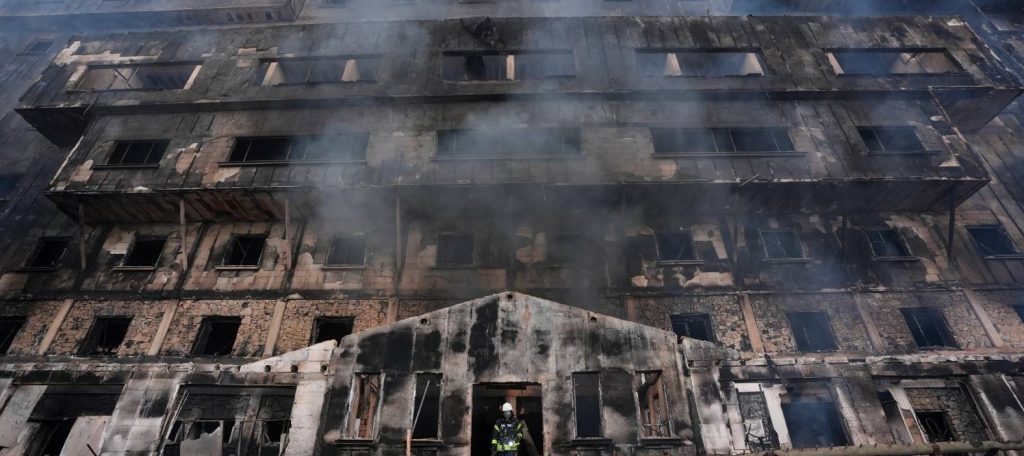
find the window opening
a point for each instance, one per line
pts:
(427, 403)
(655, 63)
(361, 68)
(244, 250)
(928, 327)
(105, 336)
(332, 328)
(681, 141)
(781, 244)
(654, 417)
(216, 336)
(9, 327)
(297, 149)
(886, 244)
(587, 389)
(144, 252)
(890, 140)
(695, 326)
(455, 249)
(47, 253)
(811, 331)
(137, 153)
(347, 251)
(363, 409)
(891, 61)
(508, 143)
(992, 241)
(675, 246)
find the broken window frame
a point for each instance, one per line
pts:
(878, 140)
(787, 251)
(690, 320)
(347, 241)
(96, 343)
(877, 65)
(507, 66)
(648, 430)
(915, 316)
(319, 322)
(508, 143)
(1006, 249)
(350, 69)
(124, 74)
(686, 142)
(33, 263)
(924, 417)
(877, 237)
(688, 250)
(1019, 308)
(445, 258)
(577, 412)
(806, 342)
(352, 425)
(128, 256)
(297, 149)
(829, 406)
(673, 66)
(769, 441)
(10, 326)
(430, 396)
(264, 440)
(154, 152)
(206, 327)
(234, 242)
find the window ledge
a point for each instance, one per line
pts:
(455, 266)
(904, 153)
(134, 268)
(680, 262)
(1012, 256)
(148, 166)
(899, 259)
(287, 163)
(591, 442)
(355, 443)
(343, 267)
(788, 260)
(236, 268)
(659, 442)
(732, 154)
(520, 157)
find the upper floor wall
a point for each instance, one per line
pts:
(135, 14)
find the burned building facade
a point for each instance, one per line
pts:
(655, 227)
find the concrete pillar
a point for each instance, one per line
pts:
(986, 322)
(753, 333)
(869, 323)
(170, 309)
(275, 328)
(55, 325)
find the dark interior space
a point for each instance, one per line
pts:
(526, 401)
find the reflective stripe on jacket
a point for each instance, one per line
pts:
(508, 433)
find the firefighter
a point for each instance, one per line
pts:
(508, 433)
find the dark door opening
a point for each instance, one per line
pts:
(526, 401)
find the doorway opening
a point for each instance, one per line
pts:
(526, 401)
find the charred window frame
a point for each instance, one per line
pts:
(8, 184)
(47, 253)
(655, 419)
(881, 62)
(758, 430)
(321, 70)
(144, 253)
(244, 250)
(782, 245)
(455, 249)
(587, 405)
(653, 63)
(812, 331)
(149, 76)
(331, 148)
(136, 154)
(928, 328)
(815, 423)
(484, 66)
(892, 141)
(508, 143)
(364, 406)
(993, 242)
(426, 418)
(731, 142)
(37, 47)
(936, 425)
(216, 336)
(105, 336)
(273, 435)
(887, 244)
(694, 326)
(332, 328)
(347, 251)
(191, 430)
(565, 250)
(50, 436)
(675, 246)
(9, 328)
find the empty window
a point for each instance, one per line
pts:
(216, 336)
(675, 246)
(781, 244)
(886, 244)
(137, 153)
(244, 250)
(654, 417)
(514, 142)
(357, 68)
(365, 400)
(105, 336)
(814, 424)
(890, 140)
(494, 66)
(38, 47)
(347, 251)
(144, 252)
(694, 326)
(272, 435)
(655, 63)
(1019, 308)
(811, 331)
(138, 77)
(587, 390)
(427, 411)
(47, 253)
(338, 147)
(9, 327)
(992, 241)
(891, 61)
(936, 426)
(676, 141)
(928, 327)
(455, 249)
(332, 328)
(564, 248)
(50, 436)
(8, 183)
(1007, 22)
